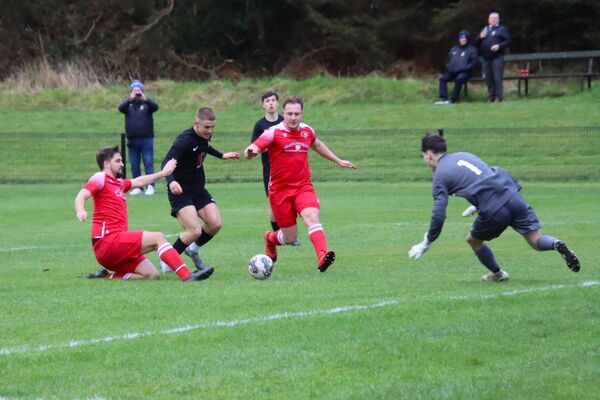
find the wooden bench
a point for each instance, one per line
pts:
(526, 72)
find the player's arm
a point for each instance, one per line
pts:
(232, 155)
(80, 200)
(144, 180)
(438, 216)
(324, 151)
(260, 144)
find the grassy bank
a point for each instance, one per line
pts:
(331, 103)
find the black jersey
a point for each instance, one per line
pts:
(189, 150)
(262, 125)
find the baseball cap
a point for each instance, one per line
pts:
(136, 83)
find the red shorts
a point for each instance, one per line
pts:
(120, 252)
(288, 202)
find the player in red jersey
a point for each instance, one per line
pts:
(115, 247)
(291, 191)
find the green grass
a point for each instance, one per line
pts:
(444, 334)
(331, 104)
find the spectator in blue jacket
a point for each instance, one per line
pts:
(493, 39)
(459, 64)
(139, 129)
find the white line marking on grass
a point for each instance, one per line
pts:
(273, 317)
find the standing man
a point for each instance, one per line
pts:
(270, 103)
(139, 129)
(493, 39)
(189, 199)
(290, 189)
(115, 247)
(495, 193)
(459, 64)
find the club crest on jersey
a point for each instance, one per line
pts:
(304, 134)
(119, 193)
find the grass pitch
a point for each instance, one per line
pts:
(377, 325)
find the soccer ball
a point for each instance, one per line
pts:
(260, 266)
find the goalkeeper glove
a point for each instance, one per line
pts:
(419, 249)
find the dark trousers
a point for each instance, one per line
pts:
(141, 149)
(493, 71)
(459, 78)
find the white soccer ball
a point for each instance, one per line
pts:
(260, 266)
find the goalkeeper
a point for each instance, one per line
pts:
(494, 193)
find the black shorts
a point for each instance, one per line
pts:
(198, 198)
(516, 213)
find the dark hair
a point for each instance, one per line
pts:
(269, 94)
(294, 100)
(433, 142)
(206, 113)
(106, 154)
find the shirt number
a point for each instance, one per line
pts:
(469, 166)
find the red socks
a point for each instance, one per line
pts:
(171, 257)
(318, 239)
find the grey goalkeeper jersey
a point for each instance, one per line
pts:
(466, 175)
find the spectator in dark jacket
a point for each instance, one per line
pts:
(139, 129)
(459, 64)
(493, 39)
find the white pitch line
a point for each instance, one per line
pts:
(273, 317)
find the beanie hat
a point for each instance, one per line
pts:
(464, 33)
(136, 83)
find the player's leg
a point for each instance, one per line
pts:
(145, 270)
(282, 205)
(528, 225)
(308, 205)
(486, 229)
(183, 209)
(208, 212)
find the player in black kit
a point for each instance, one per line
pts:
(189, 199)
(270, 102)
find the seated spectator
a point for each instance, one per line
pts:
(459, 65)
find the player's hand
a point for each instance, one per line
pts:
(346, 164)
(175, 188)
(231, 156)
(82, 216)
(469, 211)
(495, 48)
(419, 249)
(250, 152)
(169, 167)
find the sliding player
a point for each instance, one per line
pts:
(116, 248)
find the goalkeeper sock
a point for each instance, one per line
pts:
(171, 257)
(545, 243)
(487, 258)
(318, 239)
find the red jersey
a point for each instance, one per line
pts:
(288, 154)
(110, 206)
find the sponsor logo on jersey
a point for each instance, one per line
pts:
(296, 147)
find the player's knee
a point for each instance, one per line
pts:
(215, 226)
(195, 231)
(152, 274)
